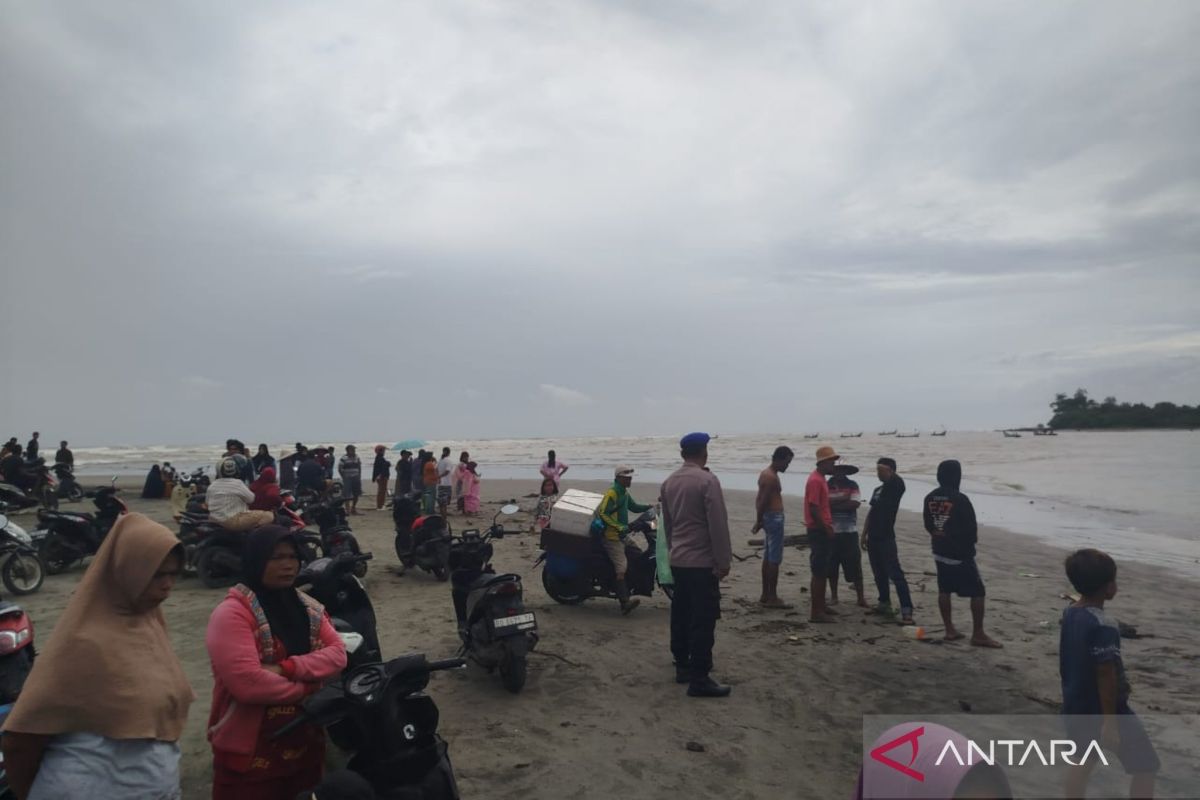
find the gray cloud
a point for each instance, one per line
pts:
(293, 220)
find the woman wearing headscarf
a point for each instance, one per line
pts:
(270, 646)
(464, 458)
(470, 489)
(103, 709)
(152, 489)
(262, 459)
(266, 491)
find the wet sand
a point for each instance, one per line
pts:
(602, 717)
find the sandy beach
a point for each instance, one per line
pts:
(601, 716)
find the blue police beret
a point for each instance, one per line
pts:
(694, 440)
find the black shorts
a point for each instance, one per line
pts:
(847, 555)
(960, 579)
(1136, 752)
(820, 553)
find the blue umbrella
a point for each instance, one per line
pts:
(409, 444)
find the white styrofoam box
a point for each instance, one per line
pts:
(573, 512)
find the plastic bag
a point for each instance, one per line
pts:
(662, 554)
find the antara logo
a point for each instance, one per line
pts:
(1007, 752)
(1020, 751)
(910, 738)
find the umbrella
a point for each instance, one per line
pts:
(409, 444)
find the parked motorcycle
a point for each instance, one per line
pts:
(16, 660)
(195, 513)
(390, 724)
(329, 515)
(67, 537)
(576, 567)
(68, 487)
(15, 497)
(332, 581)
(215, 553)
(45, 488)
(196, 480)
(495, 628)
(421, 541)
(21, 567)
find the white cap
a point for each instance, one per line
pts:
(623, 472)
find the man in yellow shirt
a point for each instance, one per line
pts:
(614, 514)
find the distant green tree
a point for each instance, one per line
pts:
(1081, 412)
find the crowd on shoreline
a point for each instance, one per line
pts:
(271, 646)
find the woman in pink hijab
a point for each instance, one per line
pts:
(470, 489)
(878, 780)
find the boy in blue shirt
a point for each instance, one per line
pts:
(1095, 690)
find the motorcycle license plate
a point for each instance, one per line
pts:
(517, 622)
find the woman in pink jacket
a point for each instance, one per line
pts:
(270, 646)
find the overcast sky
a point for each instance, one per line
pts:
(362, 220)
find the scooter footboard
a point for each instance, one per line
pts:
(426, 774)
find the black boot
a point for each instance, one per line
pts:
(683, 673)
(707, 687)
(627, 604)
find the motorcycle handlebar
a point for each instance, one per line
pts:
(299, 720)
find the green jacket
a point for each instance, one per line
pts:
(614, 511)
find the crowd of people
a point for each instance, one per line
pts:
(18, 464)
(271, 646)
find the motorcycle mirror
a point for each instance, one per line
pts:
(351, 640)
(510, 509)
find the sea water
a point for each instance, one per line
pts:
(1132, 493)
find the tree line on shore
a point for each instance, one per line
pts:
(1082, 412)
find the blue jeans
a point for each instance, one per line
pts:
(773, 537)
(885, 564)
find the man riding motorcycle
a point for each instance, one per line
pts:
(613, 515)
(228, 500)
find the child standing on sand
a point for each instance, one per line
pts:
(1095, 691)
(546, 499)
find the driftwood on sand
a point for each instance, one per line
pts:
(798, 539)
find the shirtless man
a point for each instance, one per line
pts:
(769, 508)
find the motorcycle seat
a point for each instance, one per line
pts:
(68, 516)
(487, 579)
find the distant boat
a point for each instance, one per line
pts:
(886, 433)
(852, 435)
(938, 433)
(1011, 435)
(812, 436)
(912, 435)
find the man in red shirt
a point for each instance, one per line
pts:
(818, 521)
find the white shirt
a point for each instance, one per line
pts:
(446, 471)
(227, 497)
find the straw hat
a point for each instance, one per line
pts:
(826, 453)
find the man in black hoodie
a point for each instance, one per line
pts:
(950, 520)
